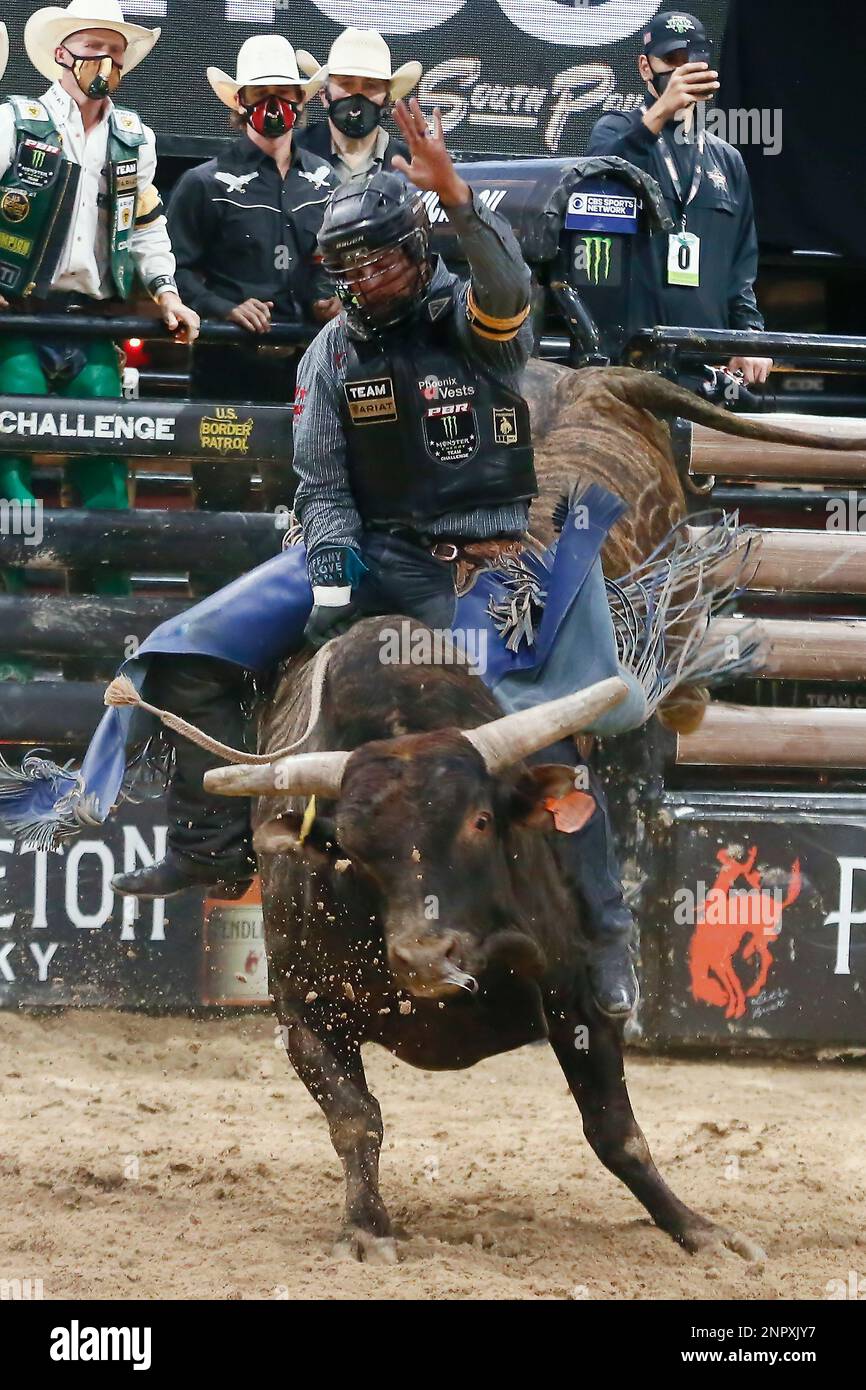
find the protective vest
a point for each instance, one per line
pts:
(428, 430)
(37, 199)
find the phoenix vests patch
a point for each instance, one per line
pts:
(451, 432)
(371, 401)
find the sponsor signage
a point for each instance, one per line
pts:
(601, 211)
(758, 930)
(142, 428)
(371, 402)
(519, 76)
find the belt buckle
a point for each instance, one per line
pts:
(440, 547)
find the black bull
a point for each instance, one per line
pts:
(422, 909)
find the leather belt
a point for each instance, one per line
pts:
(470, 556)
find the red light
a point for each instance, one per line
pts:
(134, 343)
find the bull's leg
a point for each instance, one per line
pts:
(593, 1065)
(330, 1066)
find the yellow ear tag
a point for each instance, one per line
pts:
(307, 822)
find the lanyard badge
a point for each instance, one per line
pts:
(684, 248)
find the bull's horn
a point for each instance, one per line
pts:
(304, 774)
(505, 741)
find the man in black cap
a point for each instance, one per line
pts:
(702, 275)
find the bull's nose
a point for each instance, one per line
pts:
(431, 965)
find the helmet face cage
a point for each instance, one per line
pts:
(415, 243)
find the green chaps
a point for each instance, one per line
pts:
(100, 483)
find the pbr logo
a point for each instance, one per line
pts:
(737, 924)
(371, 401)
(451, 432)
(505, 425)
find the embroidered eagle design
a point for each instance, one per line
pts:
(236, 183)
(319, 177)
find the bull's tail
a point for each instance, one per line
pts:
(648, 391)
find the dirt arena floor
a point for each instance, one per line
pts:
(180, 1159)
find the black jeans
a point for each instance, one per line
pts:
(588, 858)
(402, 578)
(209, 829)
(208, 693)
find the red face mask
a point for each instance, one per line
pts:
(272, 116)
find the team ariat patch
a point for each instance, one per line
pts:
(371, 401)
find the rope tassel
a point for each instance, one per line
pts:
(121, 691)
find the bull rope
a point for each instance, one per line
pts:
(121, 691)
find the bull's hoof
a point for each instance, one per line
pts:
(716, 1238)
(355, 1243)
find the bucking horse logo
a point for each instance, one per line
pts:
(736, 921)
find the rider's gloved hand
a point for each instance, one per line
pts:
(332, 571)
(333, 611)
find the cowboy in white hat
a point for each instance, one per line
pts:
(82, 219)
(4, 49)
(243, 227)
(358, 87)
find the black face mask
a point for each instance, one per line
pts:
(355, 116)
(661, 79)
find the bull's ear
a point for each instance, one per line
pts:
(546, 798)
(285, 835)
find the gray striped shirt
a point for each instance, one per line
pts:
(500, 283)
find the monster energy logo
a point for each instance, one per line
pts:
(38, 159)
(597, 257)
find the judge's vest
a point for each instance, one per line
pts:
(37, 199)
(428, 429)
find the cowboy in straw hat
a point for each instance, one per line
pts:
(357, 86)
(76, 178)
(244, 227)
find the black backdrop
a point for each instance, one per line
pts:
(808, 61)
(532, 76)
(517, 76)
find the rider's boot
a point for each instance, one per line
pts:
(175, 874)
(209, 837)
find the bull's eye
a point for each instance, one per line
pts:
(483, 821)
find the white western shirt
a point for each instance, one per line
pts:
(85, 261)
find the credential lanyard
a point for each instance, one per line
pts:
(671, 167)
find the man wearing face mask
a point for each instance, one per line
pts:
(357, 87)
(244, 229)
(702, 275)
(82, 219)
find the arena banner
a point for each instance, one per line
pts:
(66, 939)
(510, 76)
(752, 920)
(758, 929)
(157, 428)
